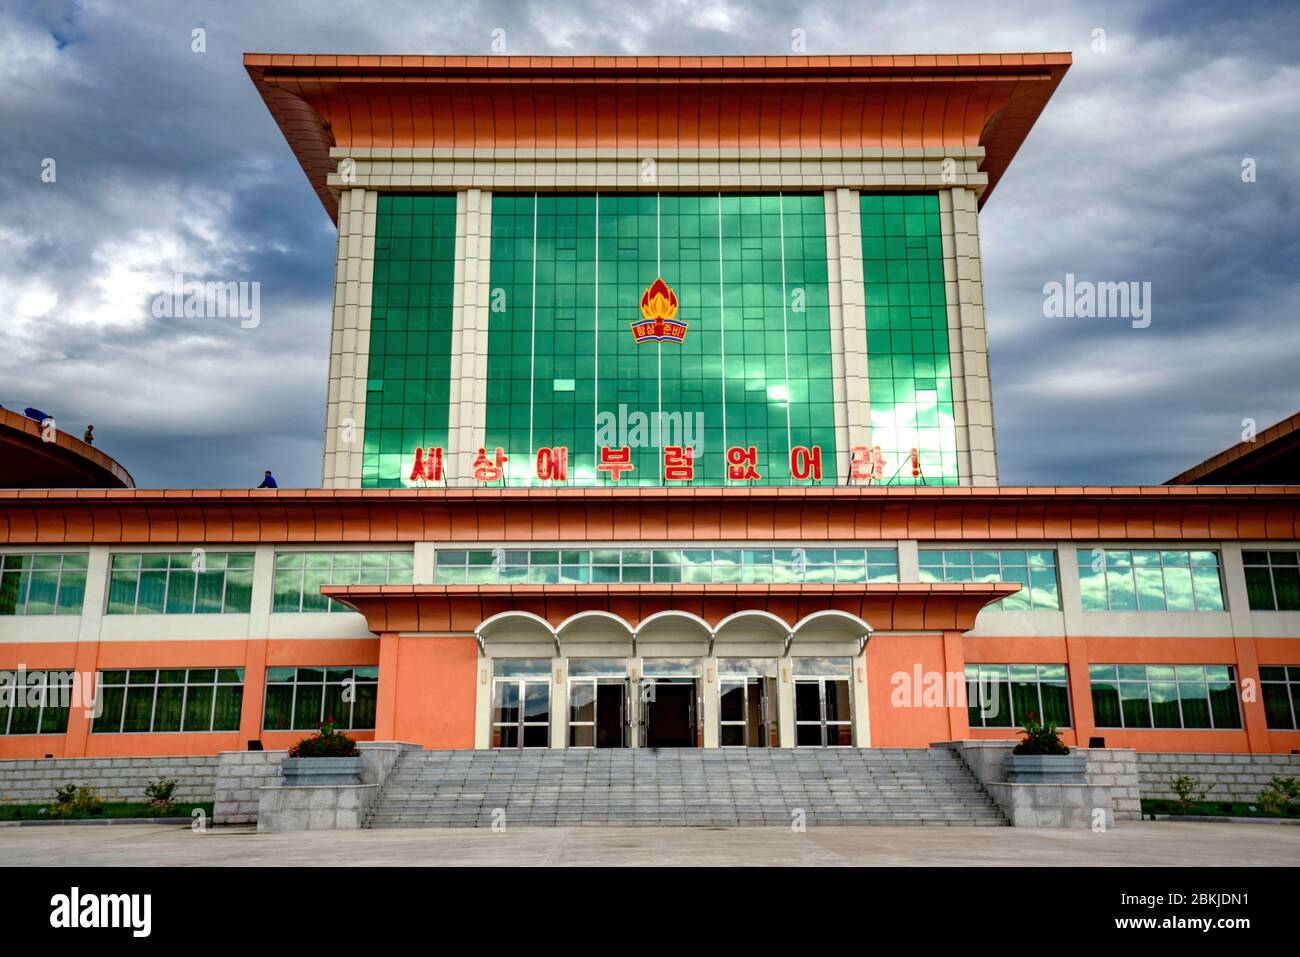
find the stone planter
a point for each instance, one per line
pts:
(1046, 768)
(306, 772)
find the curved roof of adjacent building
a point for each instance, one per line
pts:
(27, 461)
(321, 101)
(1271, 457)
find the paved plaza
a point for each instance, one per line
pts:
(1131, 844)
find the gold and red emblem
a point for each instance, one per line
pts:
(659, 322)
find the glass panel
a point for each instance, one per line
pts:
(1137, 709)
(808, 735)
(837, 701)
(1105, 704)
(1286, 584)
(1209, 591)
(167, 708)
(505, 702)
(582, 701)
(731, 701)
(1196, 704)
(279, 708)
(1223, 704)
(363, 708)
(1056, 704)
(807, 701)
(516, 667)
(307, 706)
(1164, 705)
(230, 702)
(198, 708)
(139, 707)
(180, 593)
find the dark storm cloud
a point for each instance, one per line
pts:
(168, 161)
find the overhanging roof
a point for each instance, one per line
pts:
(469, 517)
(28, 461)
(1271, 456)
(721, 102)
(461, 608)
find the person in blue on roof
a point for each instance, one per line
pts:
(268, 481)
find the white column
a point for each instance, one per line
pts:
(853, 306)
(861, 703)
(968, 336)
(785, 702)
(711, 704)
(350, 339)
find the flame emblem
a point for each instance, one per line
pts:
(659, 315)
(659, 302)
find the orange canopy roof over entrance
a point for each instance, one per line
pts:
(649, 103)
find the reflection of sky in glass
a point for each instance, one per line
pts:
(1150, 580)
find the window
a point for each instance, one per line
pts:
(300, 575)
(1149, 580)
(181, 583)
(1035, 570)
(35, 702)
(1281, 697)
(1273, 580)
(1004, 696)
(1165, 696)
(299, 699)
(176, 699)
(660, 565)
(43, 583)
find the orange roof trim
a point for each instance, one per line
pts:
(721, 102)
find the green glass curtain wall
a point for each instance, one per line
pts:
(749, 272)
(408, 387)
(907, 337)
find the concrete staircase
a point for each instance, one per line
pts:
(666, 787)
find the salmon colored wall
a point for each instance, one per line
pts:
(428, 687)
(254, 656)
(910, 727)
(432, 701)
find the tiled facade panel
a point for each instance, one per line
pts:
(408, 384)
(567, 276)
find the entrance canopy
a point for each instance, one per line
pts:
(678, 618)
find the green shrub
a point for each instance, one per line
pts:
(1282, 796)
(162, 795)
(325, 743)
(1188, 790)
(70, 801)
(1040, 739)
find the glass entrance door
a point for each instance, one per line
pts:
(599, 706)
(670, 712)
(742, 709)
(823, 711)
(747, 703)
(521, 703)
(669, 703)
(598, 713)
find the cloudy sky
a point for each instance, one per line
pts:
(166, 161)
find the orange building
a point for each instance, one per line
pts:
(658, 416)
